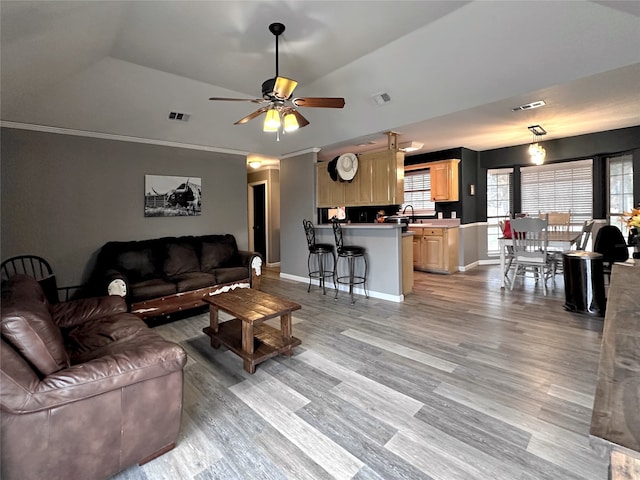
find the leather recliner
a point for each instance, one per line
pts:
(86, 389)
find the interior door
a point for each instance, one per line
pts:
(260, 220)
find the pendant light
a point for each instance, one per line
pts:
(537, 151)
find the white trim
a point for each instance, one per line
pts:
(471, 266)
(110, 136)
(301, 152)
(151, 141)
(345, 288)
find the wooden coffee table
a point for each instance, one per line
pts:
(246, 335)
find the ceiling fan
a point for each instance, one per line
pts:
(281, 108)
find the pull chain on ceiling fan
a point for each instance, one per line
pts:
(277, 91)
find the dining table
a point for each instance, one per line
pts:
(557, 241)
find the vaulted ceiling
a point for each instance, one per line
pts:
(453, 70)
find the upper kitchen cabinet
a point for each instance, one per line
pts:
(387, 177)
(378, 181)
(444, 181)
(328, 193)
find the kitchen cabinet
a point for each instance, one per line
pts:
(328, 192)
(407, 264)
(379, 181)
(444, 181)
(435, 249)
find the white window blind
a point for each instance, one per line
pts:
(417, 192)
(558, 188)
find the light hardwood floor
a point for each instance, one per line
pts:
(462, 380)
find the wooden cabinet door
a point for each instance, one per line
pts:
(380, 178)
(417, 250)
(444, 181)
(433, 252)
(328, 192)
(358, 192)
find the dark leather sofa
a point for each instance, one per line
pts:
(86, 389)
(164, 275)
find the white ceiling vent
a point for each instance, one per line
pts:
(529, 106)
(380, 98)
(183, 117)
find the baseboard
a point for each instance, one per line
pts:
(344, 288)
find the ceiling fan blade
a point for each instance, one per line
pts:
(251, 116)
(324, 102)
(254, 100)
(284, 87)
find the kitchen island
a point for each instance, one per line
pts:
(383, 242)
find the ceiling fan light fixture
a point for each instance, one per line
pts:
(272, 121)
(290, 122)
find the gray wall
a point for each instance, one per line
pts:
(64, 196)
(297, 202)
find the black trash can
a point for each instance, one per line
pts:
(584, 282)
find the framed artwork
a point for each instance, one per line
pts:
(169, 196)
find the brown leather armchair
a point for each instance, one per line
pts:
(86, 389)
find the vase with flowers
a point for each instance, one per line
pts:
(633, 224)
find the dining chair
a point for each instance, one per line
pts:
(508, 257)
(557, 222)
(587, 227)
(530, 241)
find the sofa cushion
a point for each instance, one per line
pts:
(87, 340)
(138, 264)
(193, 280)
(27, 325)
(151, 289)
(181, 257)
(231, 274)
(218, 251)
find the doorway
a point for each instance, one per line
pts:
(258, 218)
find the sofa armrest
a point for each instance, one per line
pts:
(142, 358)
(253, 261)
(75, 312)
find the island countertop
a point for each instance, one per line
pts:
(615, 422)
(383, 244)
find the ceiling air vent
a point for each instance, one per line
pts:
(529, 106)
(381, 98)
(183, 117)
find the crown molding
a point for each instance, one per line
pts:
(123, 138)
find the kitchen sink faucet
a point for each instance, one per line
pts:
(413, 212)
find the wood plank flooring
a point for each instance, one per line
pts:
(462, 380)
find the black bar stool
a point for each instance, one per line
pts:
(351, 253)
(320, 252)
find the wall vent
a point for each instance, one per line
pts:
(182, 117)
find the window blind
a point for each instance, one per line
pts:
(417, 192)
(558, 188)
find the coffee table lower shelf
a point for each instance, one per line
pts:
(268, 342)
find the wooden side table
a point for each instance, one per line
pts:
(246, 335)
